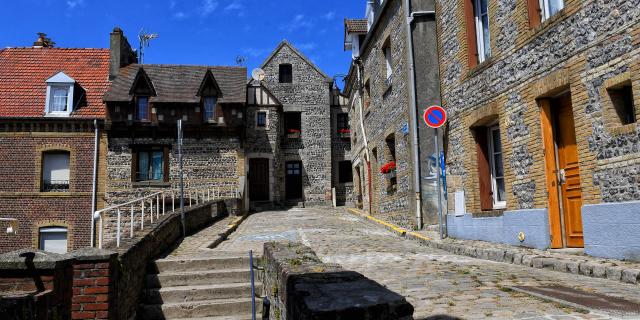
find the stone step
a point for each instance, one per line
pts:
(200, 309)
(181, 264)
(188, 278)
(199, 293)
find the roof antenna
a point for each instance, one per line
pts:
(144, 39)
(240, 60)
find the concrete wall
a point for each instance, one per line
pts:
(299, 286)
(504, 229)
(612, 230)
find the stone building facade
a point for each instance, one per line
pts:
(50, 106)
(290, 132)
(556, 87)
(379, 86)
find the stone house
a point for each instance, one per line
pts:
(542, 144)
(393, 78)
(293, 145)
(144, 104)
(51, 141)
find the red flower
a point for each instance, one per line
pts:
(344, 130)
(390, 166)
(294, 131)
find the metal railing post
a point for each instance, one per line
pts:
(151, 210)
(100, 234)
(142, 217)
(118, 231)
(157, 206)
(164, 204)
(131, 227)
(253, 289)
(173, 201)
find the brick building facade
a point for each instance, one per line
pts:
(49, 100)
(389, 86)
(542, 145)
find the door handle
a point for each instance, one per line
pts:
(562, 176)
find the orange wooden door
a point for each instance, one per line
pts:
(568, 171)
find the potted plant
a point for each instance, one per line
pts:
(293, 133)
(389, 170)
(344, 133)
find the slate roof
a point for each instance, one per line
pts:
(356, 25)
(180, 83)
(23, 72)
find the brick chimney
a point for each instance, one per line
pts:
(120, 53)
(43, 41)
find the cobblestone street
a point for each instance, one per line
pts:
(434, 281)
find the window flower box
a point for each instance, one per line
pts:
(293, 134)
(389, 170)
(344, 133)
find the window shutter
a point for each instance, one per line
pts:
(533, 8)
(134, 165)
(165, 160)
(484, 171)
(472, 46)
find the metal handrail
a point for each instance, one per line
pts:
(144, 207)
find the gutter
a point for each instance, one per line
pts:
(356, 62)
(413, 112)
(94, 187)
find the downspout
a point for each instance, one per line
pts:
(94, 187)
(413, 113)
(364, 133)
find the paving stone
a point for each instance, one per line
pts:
(631, 276)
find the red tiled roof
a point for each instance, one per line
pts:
(23, 72)
(356, 25)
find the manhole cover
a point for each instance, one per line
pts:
(583, 298)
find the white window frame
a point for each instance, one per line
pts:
(497, 204)
(60, 80)
(545, 9)
(213, 117)
(389, 63)
(48, 156)
(483, 53)
(45, 230)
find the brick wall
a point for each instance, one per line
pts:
(92, 281)
(20, 192)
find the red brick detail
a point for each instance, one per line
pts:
(96, 307)
(92, 290)
(83, 282)
(83, 315)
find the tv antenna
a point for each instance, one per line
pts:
(240, 60)
(144, 39)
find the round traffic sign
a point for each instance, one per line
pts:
(435, 116)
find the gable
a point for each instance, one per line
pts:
(209, 86)
(285, 45)
(142, 85)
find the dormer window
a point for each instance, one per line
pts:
(210, 108)
(142, 108)
(59, 100)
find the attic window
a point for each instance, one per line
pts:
(59, 101)
(286, 73)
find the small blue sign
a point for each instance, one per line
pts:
(405, 129)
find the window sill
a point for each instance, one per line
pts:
(480, 67)
(622, 129)
(544, 26)
(149, 184)
(58, 115)
(496, 212)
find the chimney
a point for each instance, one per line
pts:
(43, 41)
(120, 53)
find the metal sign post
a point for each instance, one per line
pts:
(435, 117)
(182, 218)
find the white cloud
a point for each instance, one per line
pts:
(208, 7)
(300, 21)
(329, 15)
(255, 52)
(72, 4)
(234, 5)
(180, 15)
(306, 46)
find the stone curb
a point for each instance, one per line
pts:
(228, 231)
(514, 256)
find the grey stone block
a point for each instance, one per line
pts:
(586, 269)
(573, 267)
(517, 258)
(613, 273)
(599, 271)
(527, 260)
(560, 265)
(631, 276)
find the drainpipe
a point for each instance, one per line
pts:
(94, 187)
(364, 133)
(413, 112)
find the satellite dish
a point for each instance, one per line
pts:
(257, 74)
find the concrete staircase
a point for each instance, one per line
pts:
(216, 288)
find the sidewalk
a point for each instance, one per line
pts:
(569, 262)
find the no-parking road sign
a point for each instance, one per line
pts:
(435, 116)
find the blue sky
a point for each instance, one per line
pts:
(206, 32)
